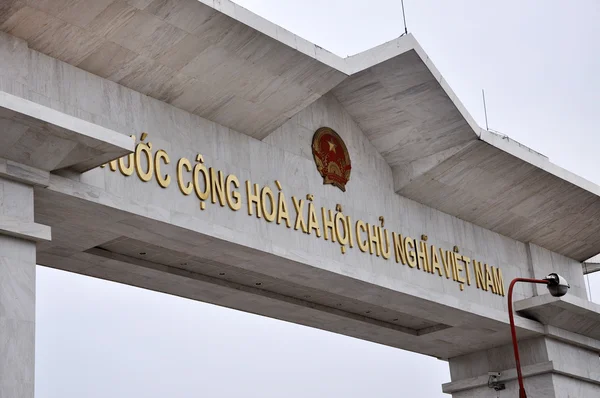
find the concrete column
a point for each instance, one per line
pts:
(551, 369)
(18, 236)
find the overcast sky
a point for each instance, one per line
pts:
(538, 62)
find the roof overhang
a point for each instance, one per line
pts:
(30, 130)
(216, 60)
(220, 61)
(440, 157)
(568, 313)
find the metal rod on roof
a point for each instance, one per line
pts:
(485, 110)
(404, 18)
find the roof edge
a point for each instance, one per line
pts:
(366, 59)
(512, 147)
(349, 65)
(376, 55)
(278, 33)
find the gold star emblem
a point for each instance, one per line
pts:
(331, 146)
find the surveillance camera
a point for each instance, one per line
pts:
(557, 285)
(494, 382)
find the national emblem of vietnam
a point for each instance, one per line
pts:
(331, 157)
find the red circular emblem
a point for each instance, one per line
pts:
(331, 157)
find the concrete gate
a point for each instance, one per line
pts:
(401, 223)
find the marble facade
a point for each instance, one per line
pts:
(418, 160)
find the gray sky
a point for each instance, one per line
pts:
(538, 63)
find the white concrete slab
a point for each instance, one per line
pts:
(568, 313)
(31, 130)
(209, 77)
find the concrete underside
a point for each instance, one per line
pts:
(101, 241)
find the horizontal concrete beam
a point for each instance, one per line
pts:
(125, 261)
(506, 375)
(572, 338)
(30, 130)
(25, 174)
(25, 230)
(592, 376)
(568, 312)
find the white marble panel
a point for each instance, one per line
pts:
(567, 387)
(17, 283)
(17, 358)
(17, 294)
(285, 156)
(546, 262)
(16, 200)
(537, 387)
(14, 54)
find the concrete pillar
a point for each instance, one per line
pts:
(551, 369)
(18, 236)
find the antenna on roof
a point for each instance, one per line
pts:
(404, 18)
(485, 110)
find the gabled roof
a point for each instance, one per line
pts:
(183, 52)
(220, 61)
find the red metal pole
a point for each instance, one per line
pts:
(513, 331)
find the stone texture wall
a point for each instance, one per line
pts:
(17, 294)
(551, 368)
(545, 262)
(285, 156)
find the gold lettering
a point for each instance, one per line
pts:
(350, 236)
(113, 165)
(234, 199)
(143, 148)
(423, 256)
(217, 185)
(373, 240)
(435, 262)
(300, 223)
(267, 195)
(479, 275)
(498, 281)
(489, 281)
(328, 224)
(384, 245)
(253, 198)
(337, 228)
(282, 210)
(446, 262)
(454, 266)
(200, 168)
(459, 269)
(363, 244)
(342, 238)
(313, 223)
(399, 248)
(467, 260)
(411, 255)
(162, 181)
(185, 189)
